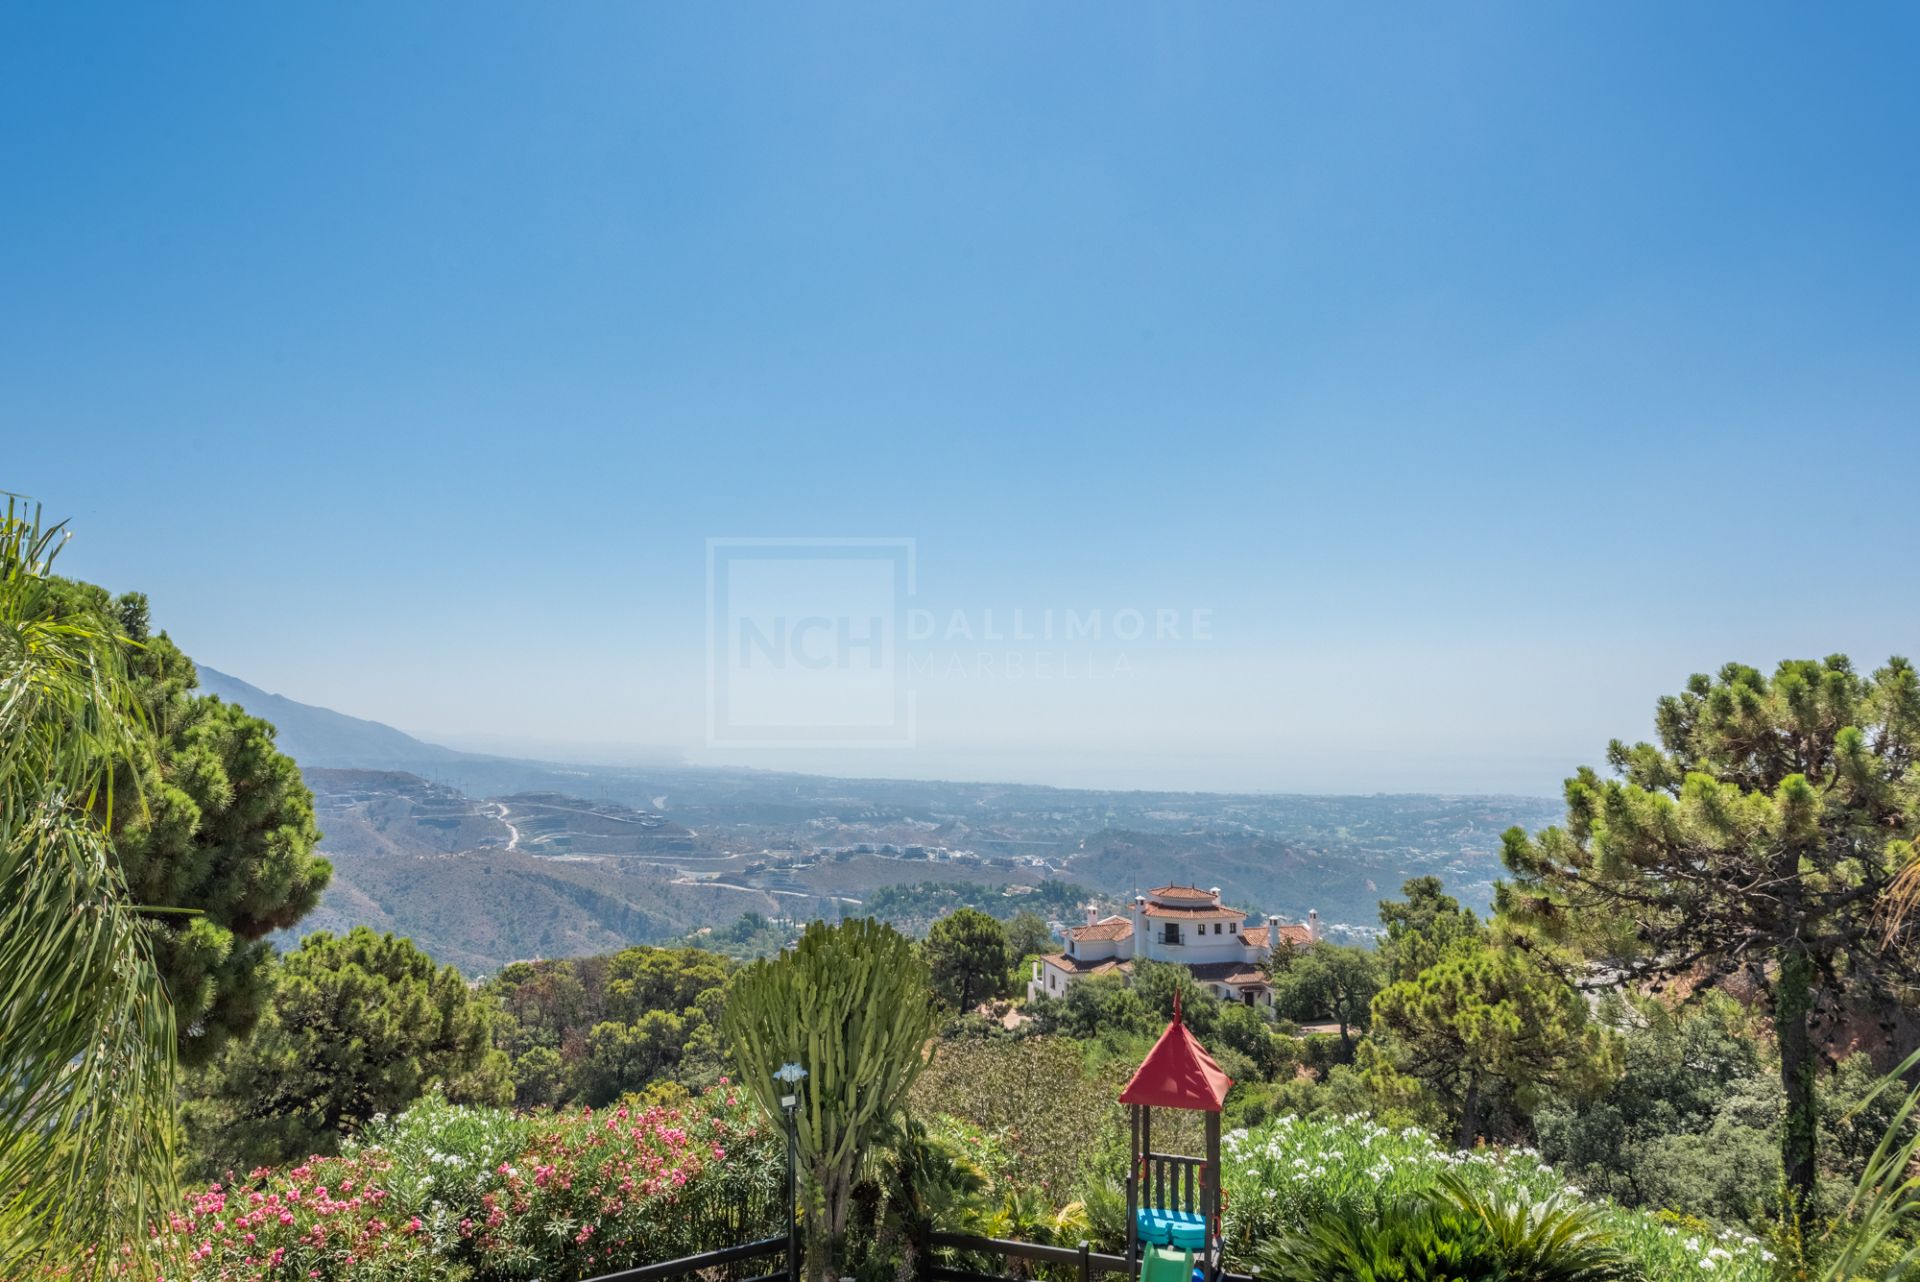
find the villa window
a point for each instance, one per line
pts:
(1216, 928)
(1233, 928)
(1172, 935)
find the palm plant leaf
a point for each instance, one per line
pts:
(86, 1031)
(1557, 1238)
(1885, 1208)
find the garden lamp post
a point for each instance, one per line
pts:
(789, 1075)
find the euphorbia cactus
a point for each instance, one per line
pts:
(851, 1004)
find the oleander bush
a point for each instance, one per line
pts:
(457, 1194)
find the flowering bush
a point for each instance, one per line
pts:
(1283, 1176)
(329, 1218)
(606, 1191)
(447, 1193)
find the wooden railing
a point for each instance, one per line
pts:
(726, 1255)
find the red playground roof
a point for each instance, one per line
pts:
(1178, 1073)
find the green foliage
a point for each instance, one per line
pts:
(1289, 1175)
(446, 1192)
(1690, 1123)
(87, 1035)
(1880, 1237)
(967, 953)
(748, 936)
(1456, 1231)
(1028, 935)
(852, 1004)
(1100, 1007)
(1483, 1023)
(1035, 1098)
(1424, 927)
(1761, 835)
(1425, 1239)
(592, 1029)
(1555, 1238)
(921, 1175)
(360, 1026)
(1248, 1037)
(1158, 982)
(1328, 981)
(445, 1155)
(622, 1057)
(226, 829)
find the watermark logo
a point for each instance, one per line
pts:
(804, 642)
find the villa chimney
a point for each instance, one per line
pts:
(1215, 892)
(1313, 925)
(1093, 915)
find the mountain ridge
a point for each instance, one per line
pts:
(316, 736)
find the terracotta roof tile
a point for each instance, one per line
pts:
(1102, 930)
(1262, 936)
(1237, 973)
(1169, 910)
(1076, 966)
(1181, 892)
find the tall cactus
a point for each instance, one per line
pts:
(853, 1005)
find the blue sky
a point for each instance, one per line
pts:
(1479, 371)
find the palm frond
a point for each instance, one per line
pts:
(86, 1031)
(1885, 1207)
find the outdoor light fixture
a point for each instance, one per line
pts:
(790, 1074)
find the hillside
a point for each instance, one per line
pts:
(315, 736)
(815, 843)
(393, 812)
(485, 908)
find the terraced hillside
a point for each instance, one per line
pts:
(552, 823)
(391, 812)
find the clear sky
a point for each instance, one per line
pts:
(1476, 371)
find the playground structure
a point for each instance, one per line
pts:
(1174, 1200)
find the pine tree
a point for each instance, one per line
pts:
(1485, 1021)
(359, 1025)
(1759, 838)
(967, 953)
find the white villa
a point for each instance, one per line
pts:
(1181, 924)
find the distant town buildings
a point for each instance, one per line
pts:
(1181, 924)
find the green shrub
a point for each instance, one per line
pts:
(446, 1193)
(440, 1158)
(1453, 1232)
(1556, 1238)
(1035, 1100)
(1283, 1178)
(1419, 1239)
